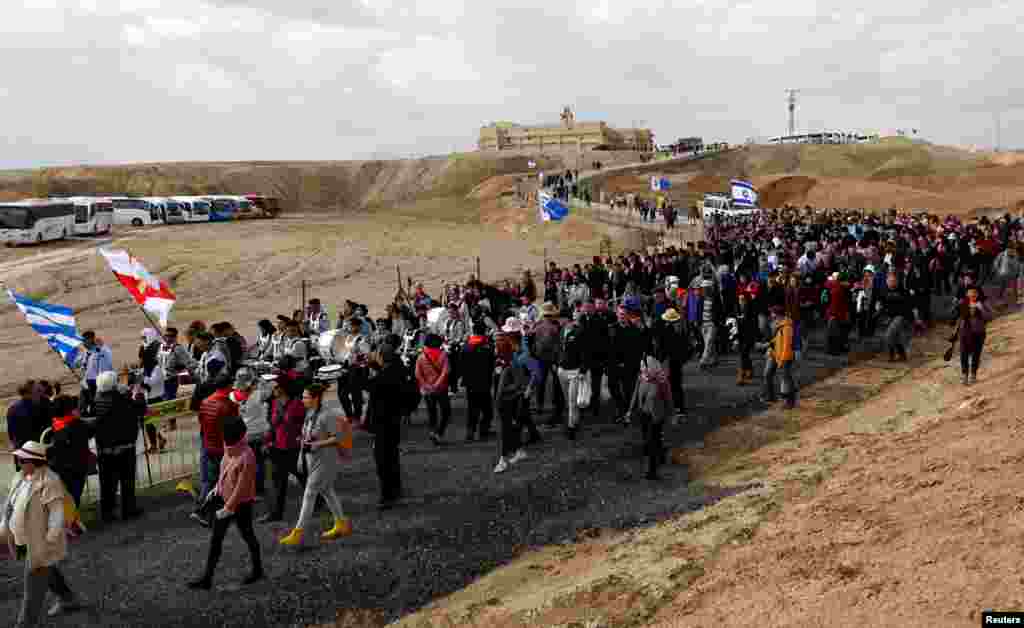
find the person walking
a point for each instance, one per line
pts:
(33, 525)
(675, 345)
(320, 456)
(287, 415)
(432, 372)
(779, 357)
(384, 421)
(118, 416)
(653, 401)
(236, 486)
(546, 340)
(68, 451)
(972, 321)
(252, 398)
(478, 373)
(511, 393)
(572, 362)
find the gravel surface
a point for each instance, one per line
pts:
(459, 521)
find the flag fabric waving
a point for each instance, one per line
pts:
(149, 291)
(55, 323)
(743, 194)
(551, 209)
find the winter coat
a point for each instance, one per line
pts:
(118, 418)
(286, 420)
(781, 347)
(68, 453)
(386, 405)
(47, 493)
(212, 413)
(477, 364)
(432, 373)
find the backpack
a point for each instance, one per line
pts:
(546, 342)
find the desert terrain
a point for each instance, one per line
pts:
(886, 499)
(894, 173)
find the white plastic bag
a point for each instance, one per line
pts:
(583, 391)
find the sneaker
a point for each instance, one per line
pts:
(519, 456)
(60, 607)
(502, 466)
(973, 379)
(965, 379)
(199, 519)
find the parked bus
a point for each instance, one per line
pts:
(264, 206)
(223, 208)
(170, 210)
(93, 216)
(135, 212)
(193, 209)
(36, 221)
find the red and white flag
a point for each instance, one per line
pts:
(151, 292)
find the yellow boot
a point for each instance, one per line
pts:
(294, 538)
(342, 527)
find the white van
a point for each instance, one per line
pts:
(135, 212)
(93, 216)
(36, 221)
(193, 208)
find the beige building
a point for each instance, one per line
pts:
(569, 134)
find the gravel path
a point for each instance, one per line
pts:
(459, 521)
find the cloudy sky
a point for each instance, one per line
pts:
(109, 81)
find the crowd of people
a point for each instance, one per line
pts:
(626, 323)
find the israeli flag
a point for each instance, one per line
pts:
(551, 209)
(55, 323)
(743, 194)
(658, 184)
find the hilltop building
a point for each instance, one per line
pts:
(568, 134)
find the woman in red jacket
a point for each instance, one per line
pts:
(282, 442)
(837, 313)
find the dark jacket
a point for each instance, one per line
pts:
(673, 341)
(630, 345)
(118, 418)
(573, 353)
(477, 364)
(385, 408)
(69, 450)
(20, 422)
(897, 303)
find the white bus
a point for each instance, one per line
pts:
(93, 216)
(36, 221)
(193, 208)
(170, 210)
(135, 212)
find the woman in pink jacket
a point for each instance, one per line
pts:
(432, 377)
(237, 487)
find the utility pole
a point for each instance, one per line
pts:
(791, 102)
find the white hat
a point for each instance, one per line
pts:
(513, 326)
(31, 450)
(870, 268)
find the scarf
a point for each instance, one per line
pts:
(659, 378)
(434, 355)
(60, 423)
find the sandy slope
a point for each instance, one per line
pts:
(890, 498)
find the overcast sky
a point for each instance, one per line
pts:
(98, 81)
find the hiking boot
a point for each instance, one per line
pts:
(518, 457)
(293, 539)
(342, 527)
(68, 605)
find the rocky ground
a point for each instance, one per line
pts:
(459, 523)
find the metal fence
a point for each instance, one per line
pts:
(178, 459)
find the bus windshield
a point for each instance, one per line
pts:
(15, 218)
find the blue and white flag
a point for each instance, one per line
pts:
(743, 194)
(660, 183)
(551, 209)
(55, 323)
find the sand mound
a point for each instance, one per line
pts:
(791, 190)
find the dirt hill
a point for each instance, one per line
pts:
(891, 173)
